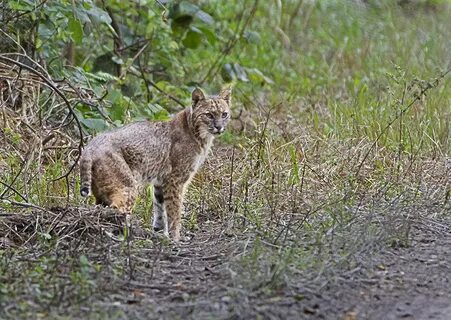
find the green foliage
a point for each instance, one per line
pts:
(137, 54)
(344, 70)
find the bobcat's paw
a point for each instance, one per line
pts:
(158, 224)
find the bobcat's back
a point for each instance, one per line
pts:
(142, 147)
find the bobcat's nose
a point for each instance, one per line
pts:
(219, 129)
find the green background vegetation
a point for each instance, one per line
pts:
(344, 70)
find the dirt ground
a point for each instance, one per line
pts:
(205, 277)
(404, 283)
(400, 283)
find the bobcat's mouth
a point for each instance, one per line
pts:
(216, 131)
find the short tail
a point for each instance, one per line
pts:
(85, 174)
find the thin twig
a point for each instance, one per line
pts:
(230, 45)
(136, 56)
(8, 187)
(153, 84)
(25, 205)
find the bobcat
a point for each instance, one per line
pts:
(115, 165)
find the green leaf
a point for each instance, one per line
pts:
(184, 8)
(114, 95)
(255, 75)
(117, 60)
(227, 73)
(193, 38)
(82, 15)
(153, 111)
(22, 5)
(84, 260)
(204, 17)
(294, 174)
(94, 124)
(240, 72)
(117, 110)
(154, 107)
(209, 34)
(105, 76)
(182, 14)
(252, 37)
(38, 43)
(76, 29)
(231, 72)
(97, 15)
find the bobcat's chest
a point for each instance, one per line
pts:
(200, 158)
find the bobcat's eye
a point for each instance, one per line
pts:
(225, 114)
(209, 115)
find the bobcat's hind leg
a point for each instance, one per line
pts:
(160, 219)
(114, 184)
(123, 199)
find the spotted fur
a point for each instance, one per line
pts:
(117, 164)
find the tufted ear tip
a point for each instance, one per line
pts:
(197, 95)
(226, 94)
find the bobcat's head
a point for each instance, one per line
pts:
(210, 114)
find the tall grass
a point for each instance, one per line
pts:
(344, 76)
(353, 134)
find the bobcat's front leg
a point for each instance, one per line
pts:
(160, 218)
(173, 197)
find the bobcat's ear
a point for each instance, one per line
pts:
(197, 95)
(226, 94)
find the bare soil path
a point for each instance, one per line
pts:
(398, 283)
(205, 276)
